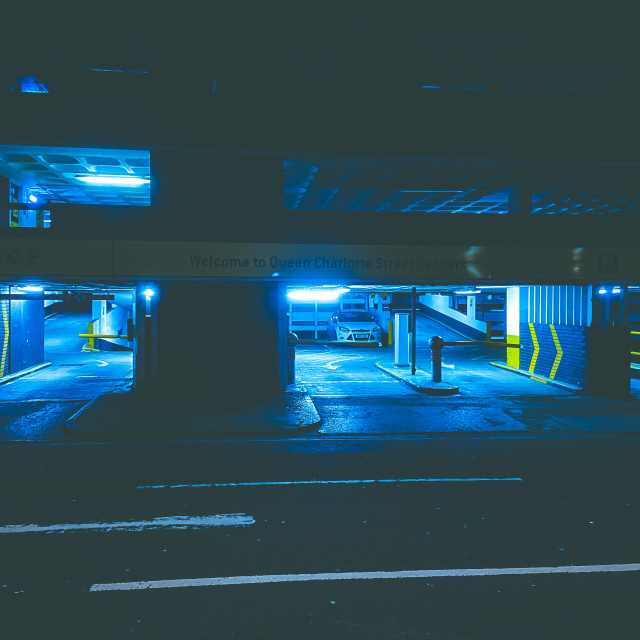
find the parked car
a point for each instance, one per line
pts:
(353, 325)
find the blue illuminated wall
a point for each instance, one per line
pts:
(27, 334)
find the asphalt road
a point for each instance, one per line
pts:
(105, 517)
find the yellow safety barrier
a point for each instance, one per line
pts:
(90, 346)
(103, 335)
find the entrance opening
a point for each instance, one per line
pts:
(499, 339)
(73, 342)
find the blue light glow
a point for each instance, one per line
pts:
(33, 198)
(149, 293)
(316, 295)
(29, 84)
(602, 291)
(615, 290)
(114, 181)
(30, 288)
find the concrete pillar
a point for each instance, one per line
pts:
(26, 341)
(519, 201)
(512, 329)
(213, 344)
(608, 345)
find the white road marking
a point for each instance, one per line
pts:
(332, 365)
(291, 482)
(170, 522)
(360, 575)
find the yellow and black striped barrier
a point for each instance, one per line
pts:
(556, 352)
(5, 332)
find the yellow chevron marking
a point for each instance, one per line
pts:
(536, 348)
(556, 362)
(4, 304)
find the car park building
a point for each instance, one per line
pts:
(211, 172)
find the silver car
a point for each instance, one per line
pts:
(353, 325)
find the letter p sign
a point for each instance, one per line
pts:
(607, 263)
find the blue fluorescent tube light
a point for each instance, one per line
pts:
(30, 288)
(316, 295)
(114, 181)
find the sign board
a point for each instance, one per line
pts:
(43, 258)
(372, 262)
(140, 260)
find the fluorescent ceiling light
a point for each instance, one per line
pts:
(30, 288)
(462, 293)
(114, 181)
(316, 295)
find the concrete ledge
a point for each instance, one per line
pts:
(125, 416)
(421, 381)
(24, 372)
(543, 379)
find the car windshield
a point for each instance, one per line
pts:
(355, 316)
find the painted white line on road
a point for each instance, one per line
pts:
(290, 482)
(359, 575)
(170, 522)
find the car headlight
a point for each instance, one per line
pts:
(376, 329)
(343, 330)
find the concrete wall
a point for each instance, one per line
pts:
(438, 306)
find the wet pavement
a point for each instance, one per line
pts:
(354, 397)
(340, 392)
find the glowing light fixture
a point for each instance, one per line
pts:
(149, 293)
(316, 295)
(466, 292)
(615, 290)
(602, 291)
(31, 288)
(33, 197)
(114, 181)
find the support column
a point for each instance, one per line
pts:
(520, 201)
(512, 329)
(214, 343)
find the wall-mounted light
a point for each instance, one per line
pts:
(33, 197)
(113, 181)
(148, 294)
(602, 291)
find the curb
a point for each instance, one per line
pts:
(24, 372)
(563, 385)
(82, 424)
(427, 387)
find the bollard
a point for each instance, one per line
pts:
(292, 340)
(436, 343)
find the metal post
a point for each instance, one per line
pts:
(436, 343)
(413, 331)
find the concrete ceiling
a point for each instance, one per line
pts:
(52, 173)
(324, 183)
